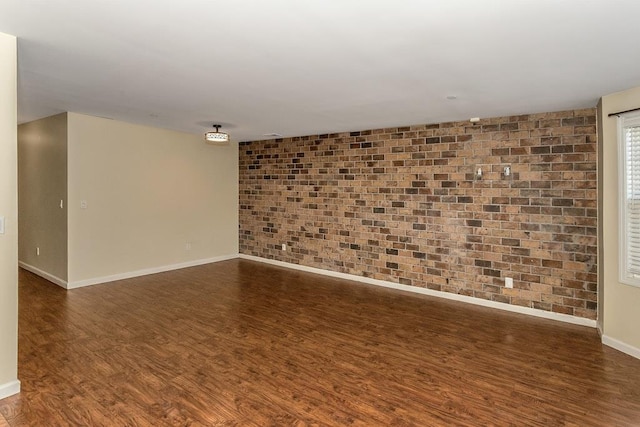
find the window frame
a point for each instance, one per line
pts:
(625, 275)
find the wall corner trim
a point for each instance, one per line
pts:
(9, 389)
(621, 346)
(424, 291)
(146, 271)
(50, 277)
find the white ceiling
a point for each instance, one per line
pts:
(299, 67)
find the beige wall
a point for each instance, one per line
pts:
(42, 185)
(8, 209)
(149, 193)
(621, 311)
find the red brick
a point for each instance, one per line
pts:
(403, 205)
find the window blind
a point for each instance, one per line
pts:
(629, 198)
(632, 202)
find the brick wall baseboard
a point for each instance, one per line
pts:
(438, 294)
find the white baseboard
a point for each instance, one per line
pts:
(424, 291)
(620, 346)
(50, 277)
(9, 389)
(146, 271)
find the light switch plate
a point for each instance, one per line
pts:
(1, 225)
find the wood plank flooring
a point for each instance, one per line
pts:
(248, 344)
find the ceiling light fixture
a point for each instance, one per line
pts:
(216, 136)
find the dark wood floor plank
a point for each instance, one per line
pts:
(242, 343)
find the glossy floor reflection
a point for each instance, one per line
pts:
(244, 343)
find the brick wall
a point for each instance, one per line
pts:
(405, 205)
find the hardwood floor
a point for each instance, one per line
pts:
(243, 343)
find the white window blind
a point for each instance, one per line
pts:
(630, 203)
